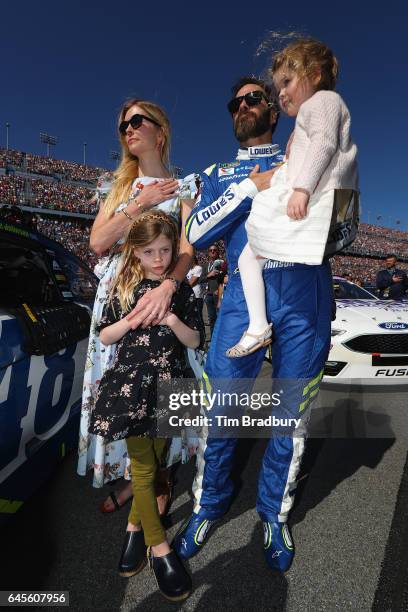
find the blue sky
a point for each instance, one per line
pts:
(68, 66)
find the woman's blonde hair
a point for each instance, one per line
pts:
(128, 168)
(305, 57)
(143, 231)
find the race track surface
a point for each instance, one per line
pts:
(349, 525)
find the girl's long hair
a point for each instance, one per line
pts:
(143, 231)
(128, 168)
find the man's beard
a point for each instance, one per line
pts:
(247, 125)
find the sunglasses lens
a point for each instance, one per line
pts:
(253, 98)
(136, 121)
(234, 105)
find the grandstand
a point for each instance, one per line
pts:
(57, 197)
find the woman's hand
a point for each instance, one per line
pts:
(154, 193)
(152, 306)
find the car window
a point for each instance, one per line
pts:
(74, 280)
(343, 290)
(25, 275)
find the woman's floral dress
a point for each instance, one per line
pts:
(127, 398)
(109, 460)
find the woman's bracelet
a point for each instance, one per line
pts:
(140, 207)
(126, 214)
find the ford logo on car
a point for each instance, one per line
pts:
(394, 325)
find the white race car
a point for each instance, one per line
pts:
(369, 343)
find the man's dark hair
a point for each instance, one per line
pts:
(269, 90)
(391, 255)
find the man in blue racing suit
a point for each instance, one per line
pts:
(299, 303)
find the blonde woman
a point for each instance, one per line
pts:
(141, 182)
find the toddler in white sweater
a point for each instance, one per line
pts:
(290, 221)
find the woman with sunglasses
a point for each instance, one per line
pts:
(142, 181)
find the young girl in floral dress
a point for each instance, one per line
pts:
(126, 406)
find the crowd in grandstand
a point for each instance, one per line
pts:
(58, 192)
(374, 240)
(11, 158)
(73, 234)
(12, 191)
(68, 170)
(38, 164)
(61, 196)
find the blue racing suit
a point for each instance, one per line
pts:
(299, 303)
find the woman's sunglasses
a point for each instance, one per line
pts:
(252, 98)
(135, 121)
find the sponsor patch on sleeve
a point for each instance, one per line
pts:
(208, 170)
(226, 171)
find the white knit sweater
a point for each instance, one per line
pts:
(322, 155)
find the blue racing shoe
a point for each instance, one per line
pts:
(189, 540)
(278, 546)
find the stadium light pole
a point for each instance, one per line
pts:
(176, 171)
(115, 155)
(7, 134)
(84, 151)
(48, 140)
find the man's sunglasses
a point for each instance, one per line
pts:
(135, 121)
(252, 98)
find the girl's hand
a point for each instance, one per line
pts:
(154, 193)
(297, 205)
(152, 306)
(169, 319)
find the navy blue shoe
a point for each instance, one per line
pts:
(278, 546)
(189, 540)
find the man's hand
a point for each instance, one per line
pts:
(397, 279)
(262, 180)
(212, 273)
(297, 205)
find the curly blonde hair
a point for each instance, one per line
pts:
(146, 228)
(305, 57)
(128, 168)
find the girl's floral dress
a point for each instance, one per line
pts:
(109, 460)
(127, 399)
